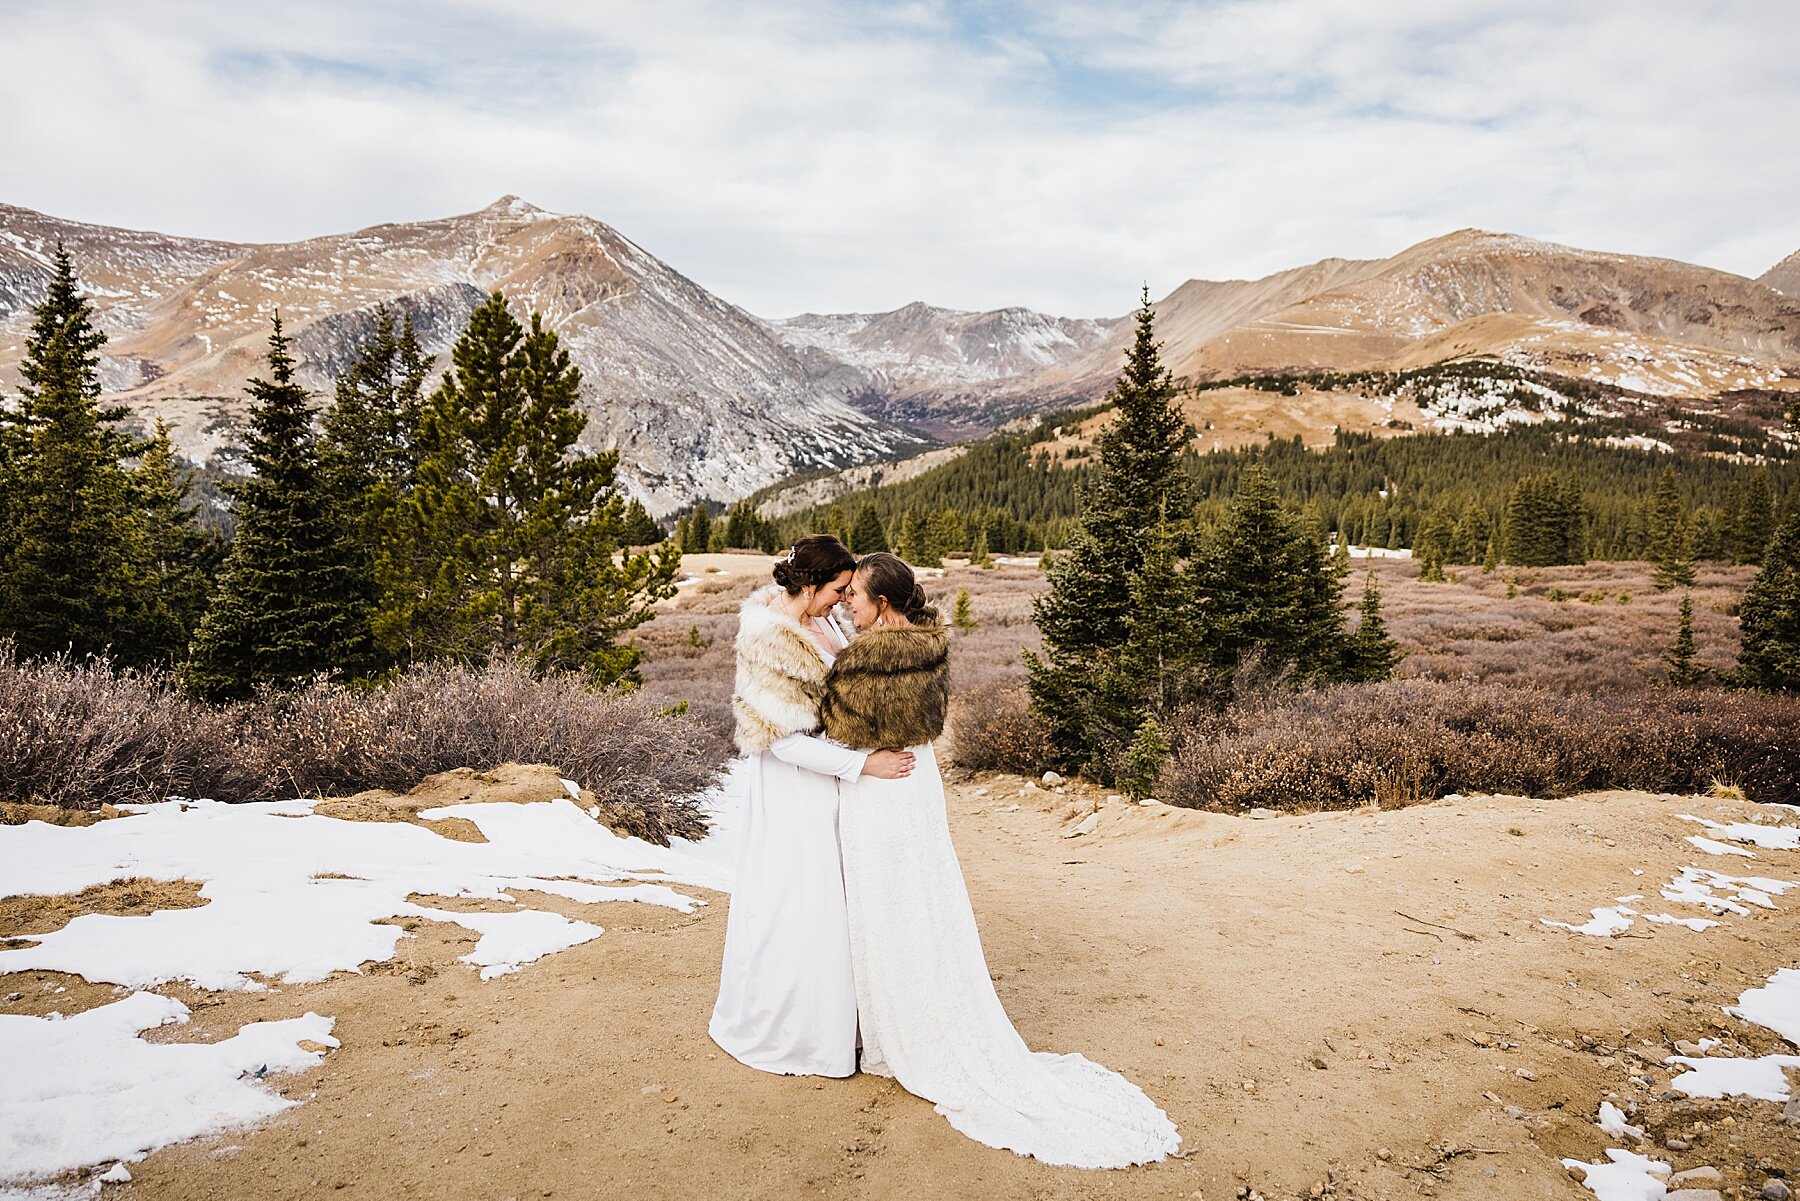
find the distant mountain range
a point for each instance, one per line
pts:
(707, 400)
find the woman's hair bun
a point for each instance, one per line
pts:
(816, 559)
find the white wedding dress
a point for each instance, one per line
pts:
(787, 1003)
(927, 1009)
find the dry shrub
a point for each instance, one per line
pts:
(992, 728)
(84, 734)
(1405, 740)
(80, 734)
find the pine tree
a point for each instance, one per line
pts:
(1144, 761)
(1543, 525)
(639, 528)
(72, 575)
(1371, 652)
(684, 533)
(979, 555)
(510, 540)
(1490, 558)
(369, 457)
(948, 532)
(1161, 666)
(1136, 478)
(698, 539)
(1684, 672)
(1752, 524)
(1267, 586)
(289, 604)
(1769, 615)
(867, 536)
(178, 555)
(963, 615)
(1474, 533)
(1670, 549)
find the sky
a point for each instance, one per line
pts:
(851, 157)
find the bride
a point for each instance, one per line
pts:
(925, 1005)
(786, 1001)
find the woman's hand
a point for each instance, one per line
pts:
(888, 764)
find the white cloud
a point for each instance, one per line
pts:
(818, 156)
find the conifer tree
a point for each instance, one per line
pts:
(1144, 761)
(979, 555)
(1371, 652)
(1670, 549)
(1543, 526)
(867, 536)
(963, 615)
(1162, 664)
(1769, 616)
(698, 538)
(1267, 585)
(289, 605)
(1490, 558)
(948, 532)
(1136, 478)
(683, 536)
(639, 528)
(71, 570)
(1684, 672)
(1752, 523)
(510, 539)
(368, 455)
(178, 555)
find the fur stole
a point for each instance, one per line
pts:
(780, 675)
(889, 688)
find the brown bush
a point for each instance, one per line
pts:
(84, 734)
(992, 728)
(1405, 740)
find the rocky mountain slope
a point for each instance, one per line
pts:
(1783, 276)
(885, 361)
(700, 397)
(1656, 326)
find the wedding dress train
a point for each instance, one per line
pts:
(926, 1007)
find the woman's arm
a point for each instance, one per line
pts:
(810, 753)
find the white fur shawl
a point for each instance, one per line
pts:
(780, 675)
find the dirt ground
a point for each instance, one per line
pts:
(1357, 1004)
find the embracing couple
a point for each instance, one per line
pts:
(850, 928)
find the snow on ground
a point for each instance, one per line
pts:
(1628, 1176)
(288, 894)
(86, 1089)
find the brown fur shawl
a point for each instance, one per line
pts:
(889, 688)
(780, 675)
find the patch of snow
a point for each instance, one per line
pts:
(1612, 1121)
(1604, 924)
(1776, 1005)
(268, 912)
(1774, 838)
(1761, 1077)
(1714, 847)
(86, 1089)
(1628, 1177)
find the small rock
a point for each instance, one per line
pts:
(1696, 1177)
(1693, 1194)
(1249, 1086)
(1355, 869)
(1260, 812)
(15, 996)
(1384, 1155)
(1525, 1073)
(1052, 779)
(1515, 1113)
(1677, 1144)
(1775, 1190)
(1087, 826)
(1318, 1062)
(1380, 1065)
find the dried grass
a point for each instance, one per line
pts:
(1401, 741)
(80, 735)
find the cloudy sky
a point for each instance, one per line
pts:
(854, 156)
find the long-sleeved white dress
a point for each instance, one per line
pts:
(787, 998)
(929, 1015)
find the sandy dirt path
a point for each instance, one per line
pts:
(1256, 977)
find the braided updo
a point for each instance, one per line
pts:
(887, 577)
(816, 560)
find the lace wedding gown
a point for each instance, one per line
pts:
(928, 1013)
